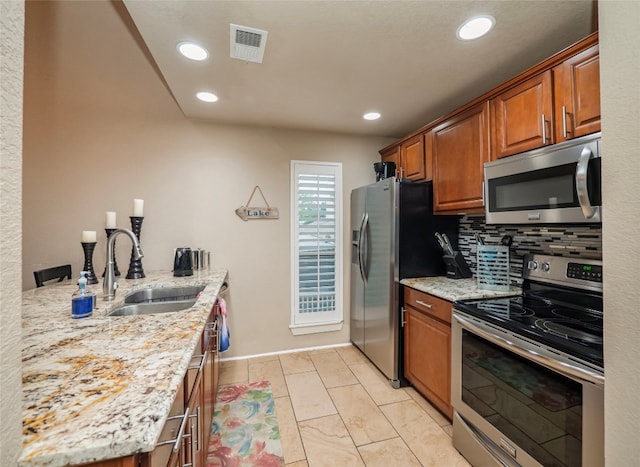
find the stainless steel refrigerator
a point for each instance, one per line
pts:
(392, 238)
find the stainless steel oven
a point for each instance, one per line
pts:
(554, 184)
(527, 371)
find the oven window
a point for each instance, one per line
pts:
(539, 410)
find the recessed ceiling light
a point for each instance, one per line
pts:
(475, 27)
(206, 96)
(371, 116)
(193, 51)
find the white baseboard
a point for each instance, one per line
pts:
(268, 354)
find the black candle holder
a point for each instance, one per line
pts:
(115, 265)
(88, 248)
(135, 265)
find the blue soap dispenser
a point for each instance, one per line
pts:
(82, 301)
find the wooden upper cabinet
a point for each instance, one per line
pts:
(460, 147)
(522, 117)
(392, 154)
(577, 95)
(412, 158)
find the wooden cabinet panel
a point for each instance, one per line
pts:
(427, 303)
(522, 117)
(460, 147)
(428, 357)
(392, 155)
(412, 158)
(577, 95)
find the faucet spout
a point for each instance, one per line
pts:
(109, 284)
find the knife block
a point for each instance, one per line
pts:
(457, 267)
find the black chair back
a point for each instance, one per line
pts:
(58, 272)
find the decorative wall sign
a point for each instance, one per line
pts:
(247, 212)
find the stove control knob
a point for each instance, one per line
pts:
(532, 265)
(545, 267)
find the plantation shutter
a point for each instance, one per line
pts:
(317, 237)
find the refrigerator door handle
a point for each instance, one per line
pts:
(365, 218)
(363, 247)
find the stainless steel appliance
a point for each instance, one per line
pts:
(392, 238)
(528, 372)
(553, 184)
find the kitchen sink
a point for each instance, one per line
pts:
(164, 294)
(158, 300)
(152, 307)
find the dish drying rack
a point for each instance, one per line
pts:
(493, 267)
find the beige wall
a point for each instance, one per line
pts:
(86, 154)
(620, 71)
(11, 40)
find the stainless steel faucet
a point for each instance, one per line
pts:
(109, 284)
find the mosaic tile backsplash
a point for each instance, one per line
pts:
(579, 241)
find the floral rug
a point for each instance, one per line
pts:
(245, 428)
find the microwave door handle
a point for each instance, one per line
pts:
(582, 190)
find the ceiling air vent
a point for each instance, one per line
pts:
(247, 43)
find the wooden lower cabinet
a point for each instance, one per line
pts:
(427, 340)
(197, 394)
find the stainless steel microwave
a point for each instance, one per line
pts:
(551, 185)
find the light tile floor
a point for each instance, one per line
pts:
(335, 408)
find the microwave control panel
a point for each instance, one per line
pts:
(585, 272)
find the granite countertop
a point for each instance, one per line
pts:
(455, 289)
(101, 387)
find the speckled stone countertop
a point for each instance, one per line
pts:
(101, 387)
(455, 289)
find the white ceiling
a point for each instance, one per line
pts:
(328, 62)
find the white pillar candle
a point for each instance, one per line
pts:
(138, 206)
(88, 236)
(110, 222)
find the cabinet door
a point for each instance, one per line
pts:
(460, 147)
(195, 439)
(428, 358)
(577, 91)
(392, 155)
(522, 117)
(412, 158)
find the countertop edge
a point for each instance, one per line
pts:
(456, 289)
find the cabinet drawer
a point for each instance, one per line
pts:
(434, 306)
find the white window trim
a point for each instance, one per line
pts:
(334, 321)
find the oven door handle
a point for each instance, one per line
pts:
(560, 367)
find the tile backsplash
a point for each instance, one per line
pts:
(579, 241)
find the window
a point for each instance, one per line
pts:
(316, 257)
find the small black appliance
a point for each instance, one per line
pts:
(384, 170)
(182, 262)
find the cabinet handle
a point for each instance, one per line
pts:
(195, 440)
(176, 442)
(544, 130)
(420, 302)
(199, 365)
(402, 316)
(565, 127)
